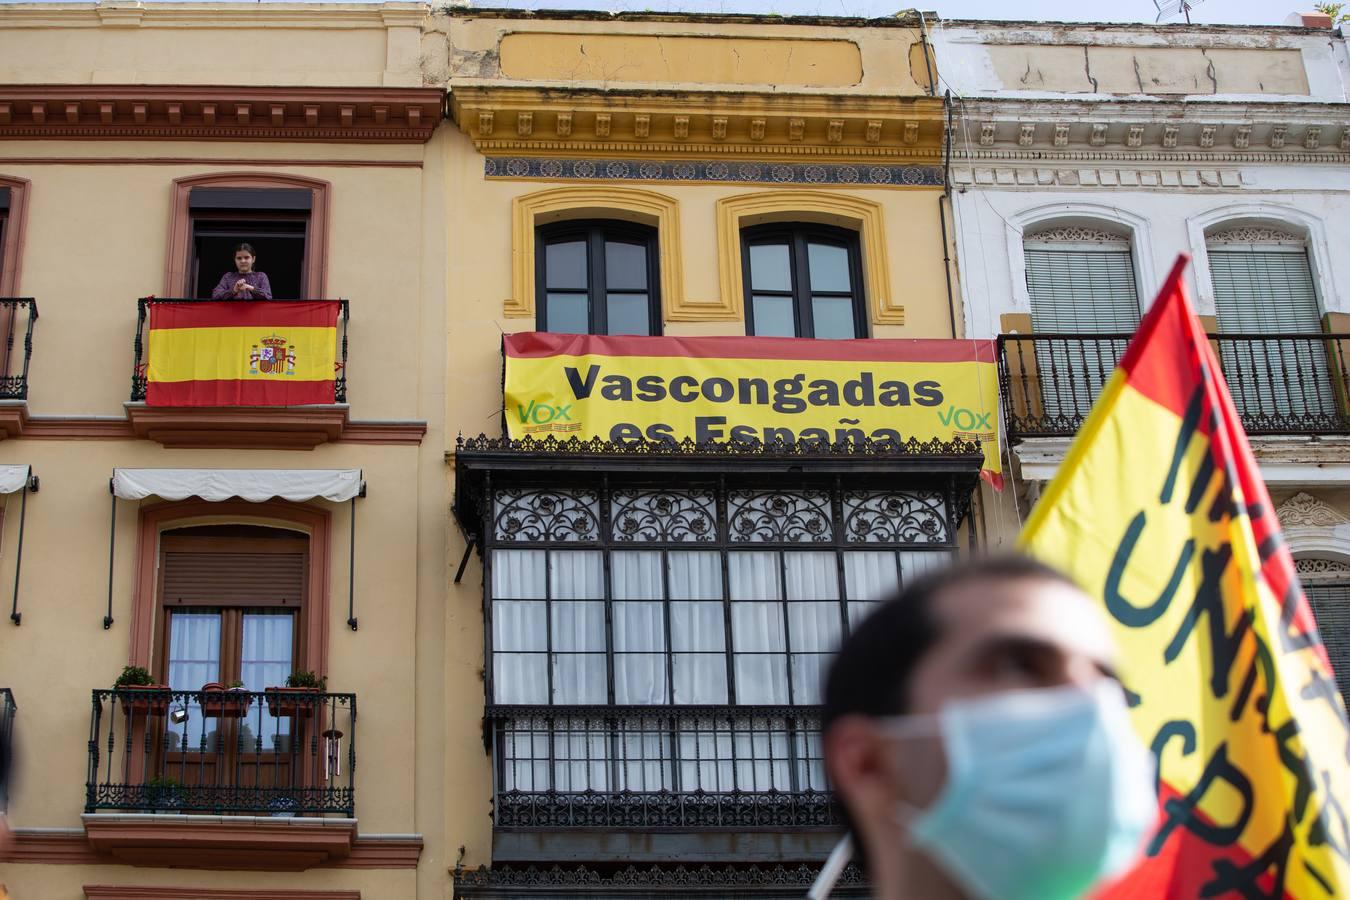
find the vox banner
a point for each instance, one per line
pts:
(242, 353)
(753, 389)
(1159, 509)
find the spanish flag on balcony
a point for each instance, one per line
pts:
(245, 353)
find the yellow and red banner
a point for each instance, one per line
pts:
(242, 353)
(1159, 509)
(753, 389)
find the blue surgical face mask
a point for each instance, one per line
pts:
(1047, 792)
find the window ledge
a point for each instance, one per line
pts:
(239, 427)
(13, 418)
(278, 844)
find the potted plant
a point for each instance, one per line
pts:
(219, 703)
(299, 697)
(162, 792)
(140, 693)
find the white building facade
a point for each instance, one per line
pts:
(1084, 160)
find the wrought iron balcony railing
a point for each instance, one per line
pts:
(138, 372)
(17, 316)
(1287, 384)
(7, 711)
(289, 752)
(658, 767)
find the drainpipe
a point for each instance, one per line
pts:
(945, 201)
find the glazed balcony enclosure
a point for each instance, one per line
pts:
(239, 374)
(284, 752)
(1282, 384)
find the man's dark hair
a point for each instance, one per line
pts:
(871, 673)
(247, 248)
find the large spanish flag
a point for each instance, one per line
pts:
(1159, 510)
(242, 353)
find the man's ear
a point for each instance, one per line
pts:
(860, 767)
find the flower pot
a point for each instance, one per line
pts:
(218, 703)
(289, 701)
(148, 699)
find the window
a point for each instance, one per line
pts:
(613, 611)
(4, 231)
(1263, 286)
(1080, 281)
(275, 221)
(597, 278)
(802, 281)
(13, 203)
(232, 598)
(1326, 583)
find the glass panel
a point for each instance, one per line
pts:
(700, 678)
(644, 755)
(870, 574)
(579, 678)
(770, 267)
(705, 754)
(857, 612)
(576, 575)
(578, 625)
(625, 266)
(266, 658)
(773, 317)
(761, 679)
(828, 266)
(525, 749)
(518, 574)
(519, 625)
(808, 677)
(565, 265)
(697, 626)
(580, 746)
(194, 660)
(833, 318)
(814, 626)
(635, 575)
(640, 678)
(754, 575)
(757, 627)
(762, 755)
(639, 652)
(568, 313)
(628, 314)
(812, 575)
(520, 677)
(914, 564)
(695, 575)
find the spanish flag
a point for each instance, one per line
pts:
(1160, 511)
(242, 353)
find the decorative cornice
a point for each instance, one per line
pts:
(659, 877)
(1305, 510)
(137, 112)
(533, 121)
(1255, 234)
(715, 170)
(1129, 177)
(1322, 571)
(1076, 234)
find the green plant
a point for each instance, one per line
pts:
(133, 676)
(162, 781)
(236, 684)
(304, 679)
(1336, 11)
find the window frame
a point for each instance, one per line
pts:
(797, 235)
(595, 233)
(12, 233)
(252, 224)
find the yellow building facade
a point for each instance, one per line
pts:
(461, 179)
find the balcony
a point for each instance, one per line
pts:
(684, 783)
(266, 425)
(7, 711)
(179, 777)
(17, 317)
(1282, 384)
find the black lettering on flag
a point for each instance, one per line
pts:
(1223, 646)
(581, 389)
(1245, 881)
(1173, 729)
(1189, 422)
(1331, 828)
(1296, 763)
(1182, 811)
(1125, 612)
(1263, 658)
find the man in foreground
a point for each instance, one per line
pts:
(980, 743)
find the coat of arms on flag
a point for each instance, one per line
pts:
(1159, 509)
(274, 357)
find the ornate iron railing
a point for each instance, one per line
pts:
(17, 316)
(281, 752)
(658, 767)
(1281, 383)
(138, 372)
(7, 711)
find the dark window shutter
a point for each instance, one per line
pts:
(250, 199)
(4, 198)
(233, 578)
(1331, 608)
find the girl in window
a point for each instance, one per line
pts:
(245, 283)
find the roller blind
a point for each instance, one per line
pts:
(1265, 292)
(234, 578)
(250, 199)
(1331, 608)
(1081, 290)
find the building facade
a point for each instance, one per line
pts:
(1085, 159)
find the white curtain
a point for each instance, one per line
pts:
(917, 563)
(194, 660)
(265, 661)
(870, 576)
(758, 640)
(519, 627)
(576, 585)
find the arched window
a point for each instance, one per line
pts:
(1326, 582)
(802, 281)
(1263, 286)
(1080, 280)
(597, 277)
